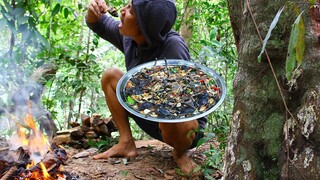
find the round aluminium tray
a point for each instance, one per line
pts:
(120, 91)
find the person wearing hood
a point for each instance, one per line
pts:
(144, 33)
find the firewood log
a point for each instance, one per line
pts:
(85, 128)
(62, 139)
(104, 131)
(74, 124)
(85, 120)
(9, 173)
(68, 131)
(96, 120)
(77, 135)
(110, 124)
(91, 135)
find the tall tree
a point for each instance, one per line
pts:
(275, 128)
(186, 21)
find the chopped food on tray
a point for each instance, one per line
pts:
(171, 91)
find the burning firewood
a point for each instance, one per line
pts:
(21, 166)
(31, 157)
(9, 173)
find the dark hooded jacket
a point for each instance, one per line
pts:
(155, 19)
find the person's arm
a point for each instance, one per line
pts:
(103, 25)
(95, 10)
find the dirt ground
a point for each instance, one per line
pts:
(153, 162)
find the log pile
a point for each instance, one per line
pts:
(91, 128)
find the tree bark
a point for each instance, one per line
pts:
(186, 23)
(266, 139)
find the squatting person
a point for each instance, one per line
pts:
(144, 33)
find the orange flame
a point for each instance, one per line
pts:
(45, 173)
(30, 164)
(22, 135)
(29, 136)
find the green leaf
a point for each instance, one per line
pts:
(65, 12)
(124, 173)
(198, 168)
(296, 46)
(273, 24)
(201, 141)
(174, 70)
(80, 6)
(81, 65)
(301, 41)
(205, 139)
(92, 143)
(55, 10)
(130, 101)
(211, 82)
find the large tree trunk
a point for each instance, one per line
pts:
(266, 140)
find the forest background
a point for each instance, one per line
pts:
(47, 45)
(271, 122)
(53, 35)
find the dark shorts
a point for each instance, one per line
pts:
(152, 129)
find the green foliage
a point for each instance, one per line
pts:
(272, 26)
(205, 139)
(130, 101)
(195, 170)
(312, 1)
(55, 32)
(213, 155)
(296, 43)
(103, 144)
(212, 43)
(214, 160)
(296, 46)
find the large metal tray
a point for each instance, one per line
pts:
(170, 62)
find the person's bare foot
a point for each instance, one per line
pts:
(120, 149)
(185, 164)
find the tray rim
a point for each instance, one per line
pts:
(125, 78)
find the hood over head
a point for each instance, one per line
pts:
(155, 19)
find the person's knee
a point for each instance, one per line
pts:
(178, 132)
(110, 75)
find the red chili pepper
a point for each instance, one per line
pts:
(215, 88)
(202, 80)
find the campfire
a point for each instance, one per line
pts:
(31, 156)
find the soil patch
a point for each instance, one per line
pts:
(153, 162)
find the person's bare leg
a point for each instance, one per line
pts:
(179, 137)
(126, 146)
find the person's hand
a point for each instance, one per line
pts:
(96, 9)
